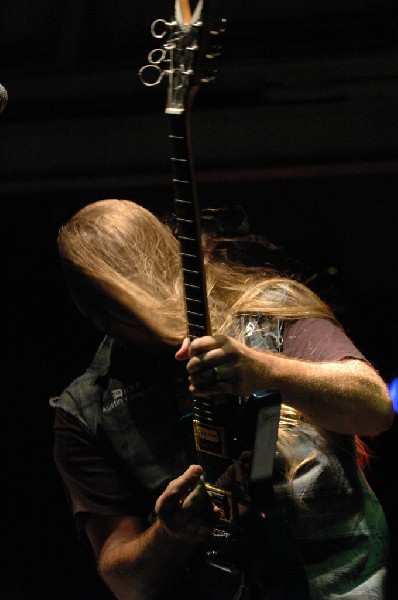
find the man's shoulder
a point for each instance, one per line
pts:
(318, 339)
(87, 389)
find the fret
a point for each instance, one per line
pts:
(198, 326)
(206, 411)
(192, 285)
(182, 201)
(186, 181)
(181, 220)
(192, 313)
(185, 237)
(208, 418)
(190, 257)
(190, 271)
(195, 318)
(203, 420)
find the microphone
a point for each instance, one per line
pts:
(3, 98)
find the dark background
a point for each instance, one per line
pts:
(300, 127)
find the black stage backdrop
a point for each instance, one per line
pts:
(300, 127)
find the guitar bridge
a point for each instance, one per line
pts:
(224, 501)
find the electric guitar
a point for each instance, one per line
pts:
(238, 462)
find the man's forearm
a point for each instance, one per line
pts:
(346, 397)
(145, 567)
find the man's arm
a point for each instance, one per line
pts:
(140, 564)
(346, 396)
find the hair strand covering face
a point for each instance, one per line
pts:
(119, 258)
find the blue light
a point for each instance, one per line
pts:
(393, 390)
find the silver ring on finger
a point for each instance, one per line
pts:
(216, 373)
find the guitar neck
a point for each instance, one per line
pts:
(186, 58)
(194, 279)
(188, 222)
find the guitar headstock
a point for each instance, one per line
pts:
(188, 52)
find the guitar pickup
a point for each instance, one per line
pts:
(209, 439)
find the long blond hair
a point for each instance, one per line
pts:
(117, 252)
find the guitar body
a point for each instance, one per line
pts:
(233, 439)
(250, 548)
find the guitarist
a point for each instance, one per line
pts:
(136, 499)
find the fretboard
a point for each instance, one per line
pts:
(188, 221)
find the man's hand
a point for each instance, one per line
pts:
(185, 508)
(219, 364)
